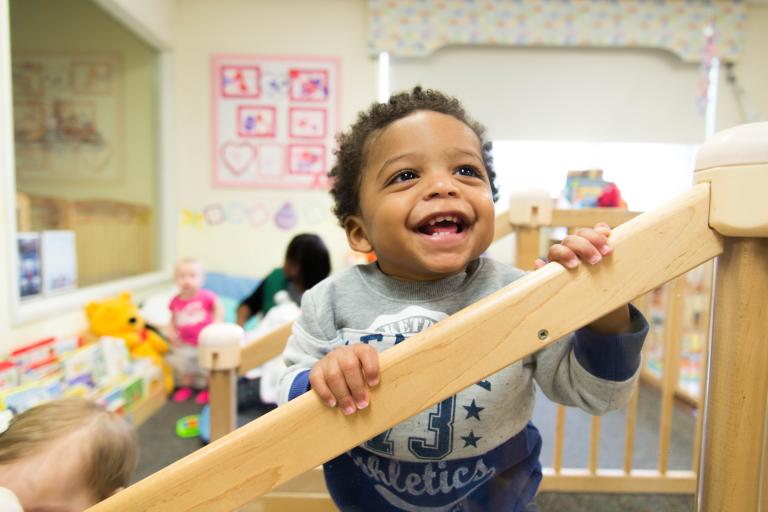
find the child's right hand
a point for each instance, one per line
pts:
(344, 375)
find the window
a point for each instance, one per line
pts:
(86, 141)
(647, 174)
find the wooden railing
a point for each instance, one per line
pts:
(592, 478)
(514, 322)
(260, 350)
(504, 327)
(557, 477)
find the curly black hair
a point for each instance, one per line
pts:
(346, 174)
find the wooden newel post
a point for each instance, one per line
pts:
(219, 351)
(734, 454)
(528, 212)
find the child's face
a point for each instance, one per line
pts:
(189, 277)
(426, 205)
(50, 481)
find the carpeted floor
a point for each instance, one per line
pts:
(160, 446)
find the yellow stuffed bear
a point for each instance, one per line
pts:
(119, 317)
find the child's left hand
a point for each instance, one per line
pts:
(590, 246)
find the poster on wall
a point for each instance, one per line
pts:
(274, 120)
(30, 272)
(59, 261)
(67, 116)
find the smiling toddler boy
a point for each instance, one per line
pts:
(414, 183)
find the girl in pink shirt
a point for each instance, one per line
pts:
(191, 310)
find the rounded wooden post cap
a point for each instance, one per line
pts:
(219, 346)
(741, 145)
(735, 164)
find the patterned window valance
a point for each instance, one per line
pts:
(416, 28)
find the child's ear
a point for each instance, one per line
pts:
(356, 236)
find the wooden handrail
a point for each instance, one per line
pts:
(478, 341)
(271, 345)
(582, 217)
(264, 348)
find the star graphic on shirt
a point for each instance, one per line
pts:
(471, 439)
(473, 411)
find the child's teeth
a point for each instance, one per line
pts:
(441, 218)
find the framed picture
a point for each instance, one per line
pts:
(274, 120)
(30, 268)
(59, 257)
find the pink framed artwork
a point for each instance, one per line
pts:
(310, 123)
(306, 159)
(274, 120)
(308, 84)
(256, 121)
(240, 81)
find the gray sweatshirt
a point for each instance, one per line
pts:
(363, 305)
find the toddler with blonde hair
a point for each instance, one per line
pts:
(65, 456)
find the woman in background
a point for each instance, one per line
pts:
(307, 262)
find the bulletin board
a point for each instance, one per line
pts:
(67, 117)
(274, 121)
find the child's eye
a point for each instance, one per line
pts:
(468, 170)
(403, 176)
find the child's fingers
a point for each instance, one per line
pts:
(603, 228)
(583, 248)
(353, 374)
(599, 239)
(539, 263)
(369, 360)
(337, 383)
(344, 377)
(589, 245)
(563, 255)
(317, 381)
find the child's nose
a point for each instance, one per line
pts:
(441, 186)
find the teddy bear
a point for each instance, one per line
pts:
(119, 317)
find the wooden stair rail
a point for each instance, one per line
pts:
(474, 343)
(532, 212)
(260, 350)
(223, 389)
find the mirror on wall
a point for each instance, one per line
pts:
(85, 100)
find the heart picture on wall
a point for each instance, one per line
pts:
(238, 156)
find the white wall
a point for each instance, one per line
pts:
(524, 93)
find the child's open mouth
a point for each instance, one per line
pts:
(443, 225)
